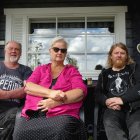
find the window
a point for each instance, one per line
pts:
(90, 31)
(89, 40)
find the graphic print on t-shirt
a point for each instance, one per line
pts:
(119, 86)
(10, 82)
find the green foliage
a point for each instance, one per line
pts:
(71, 61)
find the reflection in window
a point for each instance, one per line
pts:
(99, 43)
(89, 40)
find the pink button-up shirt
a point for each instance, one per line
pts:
(69, 79)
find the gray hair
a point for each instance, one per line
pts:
(58, 39)
(19, 44)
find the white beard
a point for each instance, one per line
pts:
(13, 58)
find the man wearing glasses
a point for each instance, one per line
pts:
(12, 76)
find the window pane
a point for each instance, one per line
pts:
(39, 43)
(101, 22)
(97, 31)
(45, 23)
(93, 60)
(76, 44)
(89, 40)
(99, 43)
(78, 60)
(71, 25)
(45, 32)
(71, 31)
(37, 59)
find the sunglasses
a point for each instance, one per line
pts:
(58, 49)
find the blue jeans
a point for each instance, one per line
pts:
(120, 125)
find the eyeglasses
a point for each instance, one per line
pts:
(58, 49)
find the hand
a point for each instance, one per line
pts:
(1, 94)
(114, 101)
(57, 95)
(115, 107)
(46, 104)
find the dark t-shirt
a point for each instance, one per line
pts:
(118, 82)
(11, 79)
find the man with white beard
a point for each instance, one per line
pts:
(117, 90)
(12, 76)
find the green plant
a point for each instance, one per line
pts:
(71, 61)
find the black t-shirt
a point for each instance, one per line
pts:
(118, 82)
(11, 79)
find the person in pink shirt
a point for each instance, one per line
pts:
(55, 94)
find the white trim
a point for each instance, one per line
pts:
(2, 42)
(25, 39)
(65, 11)
(8, 33)
(120, 28)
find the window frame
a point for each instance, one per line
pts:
(22, 16)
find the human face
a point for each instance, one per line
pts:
(118, 57)
(12, 52)
(58, 51)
